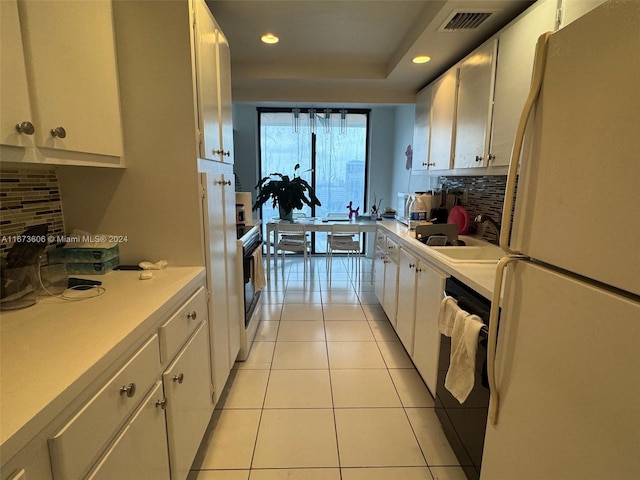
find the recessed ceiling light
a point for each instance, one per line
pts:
(421, 59)
(269, 38)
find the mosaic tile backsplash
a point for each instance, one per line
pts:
(486, 195)
(28, 197)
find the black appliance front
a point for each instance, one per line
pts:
(465, 424)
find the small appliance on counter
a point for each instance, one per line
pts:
(420, 208)
(244, 213)
(19, 270)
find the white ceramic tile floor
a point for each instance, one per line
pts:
(327, 393)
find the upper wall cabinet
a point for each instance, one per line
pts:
(421, 134)
(443, 114)
(474, 107)
(71, 77)
(16, 122)
(513, 75)
(213, 66)
(573, 9)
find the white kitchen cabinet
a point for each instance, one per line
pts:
(140, 450)
(15, 107)
(189, 404)
(390, 293)
(121, 431)
(406, 312)
(443, 114)
(218, 184)
(421, 131)
(430, 284)
(517, 43)
(574, 9)
(76, 446)
(224, 98)
(379, 261)
(213, 70)
(72, 79)
(474, 107)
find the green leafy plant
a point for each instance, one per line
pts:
(285, 192)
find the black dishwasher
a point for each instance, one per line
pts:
(464, 424)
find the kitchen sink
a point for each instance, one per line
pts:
(487, 253)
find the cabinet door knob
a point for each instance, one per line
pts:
(478, 158)
(226, 154)
(59, 132)
(431, 164)
(491, 156)
(161, 403)
(129, 390)
(412, 265)
(192, 315)
(178, 378)
(418, 270)
(25, 127)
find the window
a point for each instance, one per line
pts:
(331, 147)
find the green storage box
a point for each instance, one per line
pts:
(95, 268)
(82, 254)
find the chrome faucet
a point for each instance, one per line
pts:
(482, 218)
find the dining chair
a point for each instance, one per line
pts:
(291, 237)
(345, 238)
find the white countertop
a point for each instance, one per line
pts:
(52, 351)
(479, 276)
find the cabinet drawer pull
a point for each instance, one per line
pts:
(129, 390)
(25, 127)
(412, 265)
(192, 315)
(59, 132)
(178, 378)
(161, 403)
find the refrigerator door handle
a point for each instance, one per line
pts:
(536, 82)
(494, 318)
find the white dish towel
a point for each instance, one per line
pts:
(447, 315)
(259, 280)
(464, 345)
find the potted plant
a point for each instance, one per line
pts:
(287, 193)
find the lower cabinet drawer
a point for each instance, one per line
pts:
(175, 331)
(78, 444)
(140, 450)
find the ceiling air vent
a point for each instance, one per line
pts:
(459, 20)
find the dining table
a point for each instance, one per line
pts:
(313, 224)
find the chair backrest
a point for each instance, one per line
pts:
(289, 228)
(345, 229)
(299, 215)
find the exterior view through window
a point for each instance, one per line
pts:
(331, 148)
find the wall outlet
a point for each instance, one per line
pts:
(464, 196)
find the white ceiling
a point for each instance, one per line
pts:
(347, 51)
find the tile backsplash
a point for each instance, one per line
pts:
(486, 195)
(28, 197)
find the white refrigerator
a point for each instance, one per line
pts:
(565, 354)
